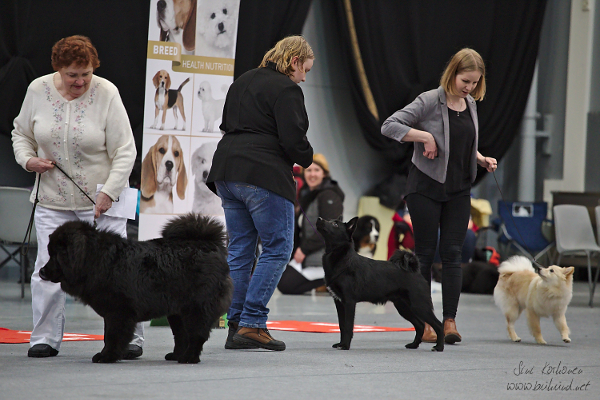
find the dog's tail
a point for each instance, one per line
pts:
(406, 260)
(183, 84)
(514, 264)
(195, 227)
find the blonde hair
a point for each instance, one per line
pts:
(466, 60)
(285, 50)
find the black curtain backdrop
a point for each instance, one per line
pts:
(29, 29)
(262, 24)
(405, 46)
(119, 30)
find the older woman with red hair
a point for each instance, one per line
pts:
(74, 120)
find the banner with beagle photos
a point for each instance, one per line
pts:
(190, 64)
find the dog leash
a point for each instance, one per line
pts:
(27, 239)
(533, 260)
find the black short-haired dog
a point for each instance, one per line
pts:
(183, 275)
(366, 235)
(352, 278)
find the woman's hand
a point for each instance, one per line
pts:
(103, 203)
(39, 165)
(489, 163)
(430, 147)
(299, 256)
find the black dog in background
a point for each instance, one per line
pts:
(366, 235)
(183, 275)
(351, 278)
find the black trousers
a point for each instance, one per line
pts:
(451, 218)
(293, 282)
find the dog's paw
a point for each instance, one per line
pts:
(341, 346)
(567, 340)
(102, 358)
(438, 347)
(413, 345)
(540, 341)
(171, 357)
(517, 339)
(188, 359)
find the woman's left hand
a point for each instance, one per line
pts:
(489, 163)
(299, 255)
(103, 203)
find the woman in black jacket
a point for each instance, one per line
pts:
(264, 125)
(320, 197)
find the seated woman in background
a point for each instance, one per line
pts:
(319, 197)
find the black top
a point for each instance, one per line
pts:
(458, 177)
(265, 124)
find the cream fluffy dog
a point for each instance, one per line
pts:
(545, 294)
(216, 28)
(212, 109)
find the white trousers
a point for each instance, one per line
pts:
(47, 298)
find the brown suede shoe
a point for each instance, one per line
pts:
(451, 335)
(230, 344)
(429, 335)
(259, 337)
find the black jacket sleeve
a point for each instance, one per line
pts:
(292, 124)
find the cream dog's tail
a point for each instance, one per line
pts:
(514, 264)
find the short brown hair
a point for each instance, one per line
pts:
(77, 50)
(285, 50)
(465, 60)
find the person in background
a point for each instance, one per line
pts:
(75, 120)
(442, 123)
(264, 123)
(319, 197)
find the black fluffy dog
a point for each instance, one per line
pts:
(352, 278)
(183, 275)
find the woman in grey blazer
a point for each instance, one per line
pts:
(442, 123)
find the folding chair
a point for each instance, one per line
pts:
(575, 236)
(521, 229)
(15, 211)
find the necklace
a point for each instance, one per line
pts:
(452, 104)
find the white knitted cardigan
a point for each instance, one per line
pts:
(89, 137)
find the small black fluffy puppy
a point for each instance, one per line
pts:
(351, 278)
(183, 275)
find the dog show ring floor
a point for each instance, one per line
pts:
(485, 365)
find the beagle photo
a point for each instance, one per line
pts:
(177, 22)
(163, 169)
(166, 98)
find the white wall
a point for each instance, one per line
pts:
(334, 129)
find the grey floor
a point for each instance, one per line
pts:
(486, 365)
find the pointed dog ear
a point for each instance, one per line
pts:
(351, 225)
(569, 271)
(181, 179)
(148, 182)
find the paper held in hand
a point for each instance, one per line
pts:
(125, 205)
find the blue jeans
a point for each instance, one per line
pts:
(252, 212)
